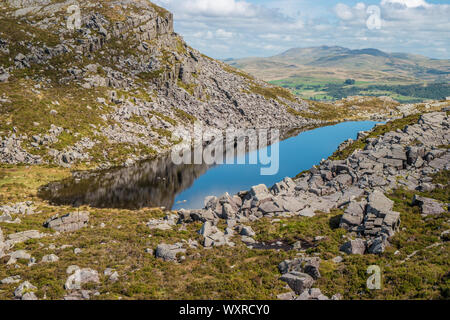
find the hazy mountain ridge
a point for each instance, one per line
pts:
(363, 64)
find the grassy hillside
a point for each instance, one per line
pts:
(320, 73)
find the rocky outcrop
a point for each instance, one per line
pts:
(22, 208)
(357, 184)
(70, 222)
(167, 223)
(25, 291)
(428, 206)
(153, 83)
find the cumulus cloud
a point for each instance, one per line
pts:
(343, 11)
(224, 34)
(239, 28)
(216, 8)
(406, 3)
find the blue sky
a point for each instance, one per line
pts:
(242, 28)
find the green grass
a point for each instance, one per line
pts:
(326, 89)
(220, 273)
(273, 93)
(184, 115)
(188, 87)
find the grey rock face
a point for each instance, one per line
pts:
(174, 73)
(70, 222)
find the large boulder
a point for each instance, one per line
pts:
(428, 206)
(80, 277)
(378, 204)
(168, 252)
(298, 281)
(312, 267)
(70, 222)
(259, 192)
(353, 215)
(357, 246)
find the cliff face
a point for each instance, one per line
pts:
(117, 86)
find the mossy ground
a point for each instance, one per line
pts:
(219, 273)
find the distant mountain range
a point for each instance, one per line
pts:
(342, 63)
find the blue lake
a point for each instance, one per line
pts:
(296, 154)
(161, 183)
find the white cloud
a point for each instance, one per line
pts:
(360, 6)
(406, 3)
(216, 8)
(224, 34)
(343, 11)
(239, 28)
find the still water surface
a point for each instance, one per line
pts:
(160, 183)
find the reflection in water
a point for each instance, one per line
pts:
(151, 184)
(160, 183)
(147, 184)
